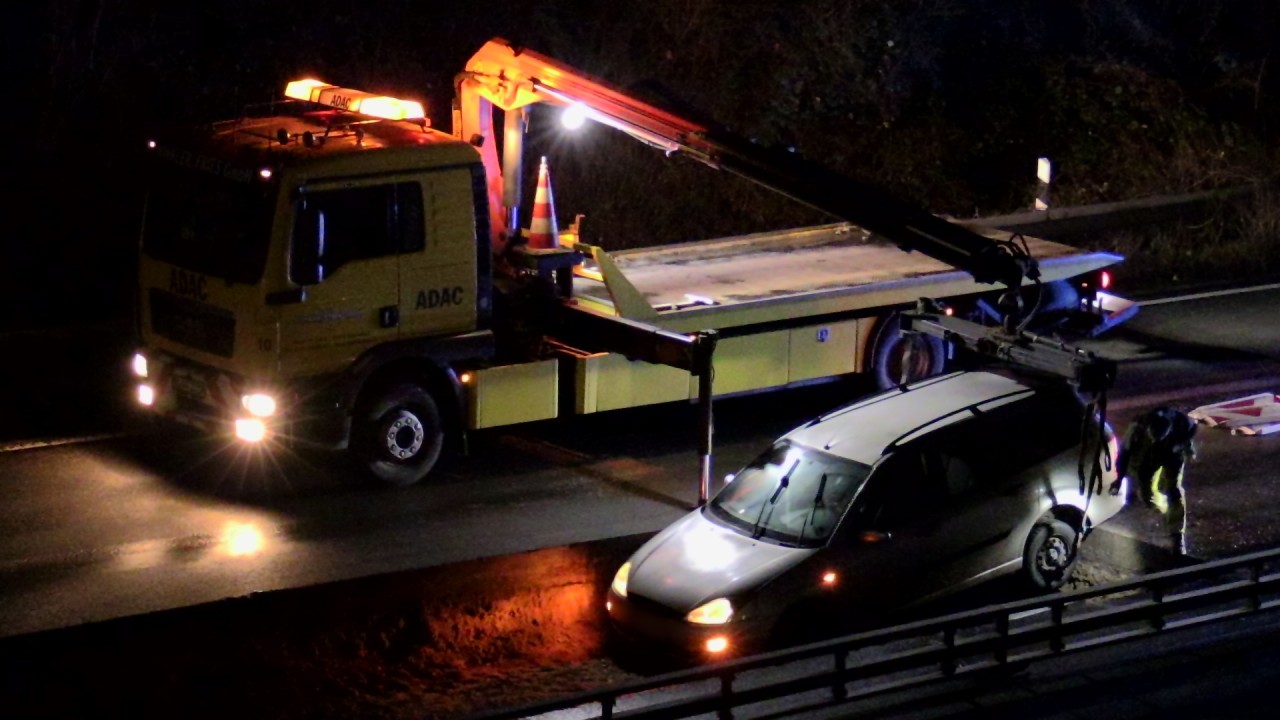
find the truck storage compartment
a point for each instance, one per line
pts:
(510, 394)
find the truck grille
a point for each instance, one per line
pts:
(195, 324)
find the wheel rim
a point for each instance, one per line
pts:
(402, 435)
(910, 359)
(1054, 555)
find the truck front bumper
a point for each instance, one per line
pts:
(212, 402)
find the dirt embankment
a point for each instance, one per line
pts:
(443, 642)
(432, 643)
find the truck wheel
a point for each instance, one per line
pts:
(1050, 555)
(400, 435)
(898, 359)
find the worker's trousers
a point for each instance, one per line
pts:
(1167, 497)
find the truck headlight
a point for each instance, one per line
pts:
(251, 430)
(259, 404)
(716, 612)
(620, 579)
(140, 365)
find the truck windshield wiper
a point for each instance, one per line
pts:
(783, 482)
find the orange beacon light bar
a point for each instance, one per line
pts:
(356, 101)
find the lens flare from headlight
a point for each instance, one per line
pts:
(716, 612)
(259, 404)
(146, 395)
(140, 365)
(251, 429)
(619, 584)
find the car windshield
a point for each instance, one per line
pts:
(790, 495)
(208, 223)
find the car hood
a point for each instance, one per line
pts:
(695, 560)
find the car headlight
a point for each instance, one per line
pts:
(716, 612)
(259, 404)
(620, 579)
(140, 365)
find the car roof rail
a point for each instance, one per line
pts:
(892, 392)
(973, 409)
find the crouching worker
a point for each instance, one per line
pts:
(1156, 449)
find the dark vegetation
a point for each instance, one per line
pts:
(945, 102)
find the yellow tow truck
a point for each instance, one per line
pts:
(331, 271)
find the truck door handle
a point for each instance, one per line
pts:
(287, 297)
(389, 316)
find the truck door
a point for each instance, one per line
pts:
(344, 250)
(438, 272)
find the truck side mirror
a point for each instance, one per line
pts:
(307, 247)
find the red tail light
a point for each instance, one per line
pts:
(1104, 280)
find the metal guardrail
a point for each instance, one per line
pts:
(999, 637)
(1067, 221)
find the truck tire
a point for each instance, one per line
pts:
(897, 359)
(1050, 555)
(400, 435)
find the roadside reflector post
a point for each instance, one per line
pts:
(1044, 174)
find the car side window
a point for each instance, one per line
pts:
(905, 487)
(914, 486)
(1012, 438)
(336, 227)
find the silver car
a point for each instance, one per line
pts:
(890, 502)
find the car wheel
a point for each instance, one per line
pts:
(400, 435)
(898, 359)
(1051, 554)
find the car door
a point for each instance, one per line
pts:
(879, 543)
(927, 523)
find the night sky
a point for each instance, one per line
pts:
(946, 103)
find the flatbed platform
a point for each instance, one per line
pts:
(839, 263)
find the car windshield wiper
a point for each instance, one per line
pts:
(783, 482)
(817, 503)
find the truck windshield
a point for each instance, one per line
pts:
(804, 510)
(208, 223)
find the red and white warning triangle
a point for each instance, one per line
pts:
(1254, 415)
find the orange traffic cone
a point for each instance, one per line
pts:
(543, 233)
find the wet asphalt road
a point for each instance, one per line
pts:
(130, 523)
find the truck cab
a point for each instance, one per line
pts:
(285, 254)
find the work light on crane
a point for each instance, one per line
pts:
(573, 116)
(356, 101)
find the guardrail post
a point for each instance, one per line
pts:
(725, 712)
(1157, 597)
(949, 641)
(1002, 629)
(606, 708)
(838, 690)
(1056, 643)
(1255, 577)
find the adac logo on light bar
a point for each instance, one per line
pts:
(356, 101)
